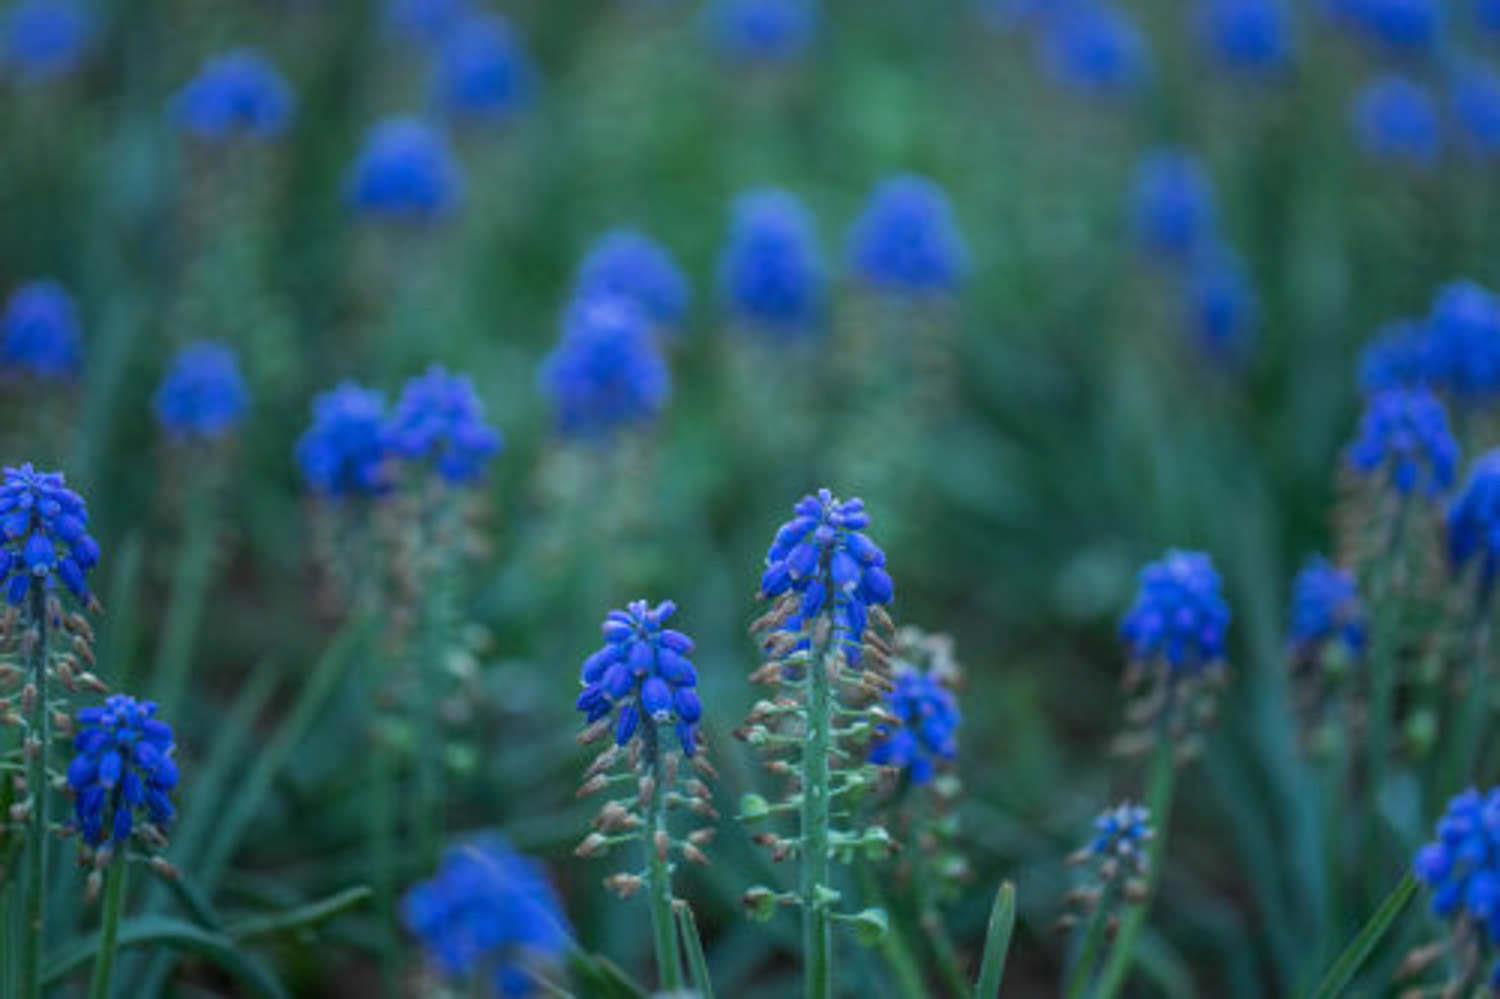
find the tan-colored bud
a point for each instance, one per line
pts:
(693, 854)
(705, 768)
(623, 885)
(663, 843)
(94, 882)
(163, 869)
(767, 673)
(592, 846)
(646, 792)
(702, 837)
(594, 732)
(603, 761)
(84, 649)
(593, 785)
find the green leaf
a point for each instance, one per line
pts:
(600, 977)
(1336, 982)
(302, 917)
(997, 942)
(163, 931)
(693, 946)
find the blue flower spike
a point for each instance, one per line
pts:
(405, 173)
(345, 453)
(1327, 616)
(1404, 444)
(238, 95)
(203, 397)
(628, 264)
(439, 423)
(1473, 523)
(606, 374)
(45, 547)
(40, 335)
(122, 776)
(926, 737)
(1461, 869)
(1117, 859)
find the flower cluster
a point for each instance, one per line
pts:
(405, 173)
(440, 419)
(1249, 36)
(1325, 609)
(1121, 833)
(1172, 205)
(631, 265)
(1094, 48)
(203, 395)
(39, 332)
(1222, 305)
(606, 372)
(1395, 25)
(1463, 343)
(767, 31)
(927, 735)
(771, 272)
(1399, 356)
(43, 40)
(1462, 867)
(344, 452)
(907, 241)
(1474, 522)
(123, 772)
(43, 535)
(1476, 107)
(483, 72)
(488, 911)
(1404, 438)
(235, 95)
(1179, 617)
(424, 21)
(643, 674)
(1396, 119)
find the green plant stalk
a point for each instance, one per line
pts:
(1462, 755)
(191, 581)
(37, 782)
(109, 933)
(1335, 784)
(697, 960)
(436, 634)
(382, 859)
(893, 946)
(997, 942)
(658, 874)
(928, 914)
(1382, 667)
(1336, 982)
(816, 935)
(1082, 972)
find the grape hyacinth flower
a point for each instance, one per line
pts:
(1094, 48)
(236, 95)
(629, 264)
(1464, 342)
(405, 173)
(1474, 522)
(1222, 307)
(1476, 107)
(1121, 834)
(1487, 14)
(43, 40)
(1172, 205)
(122, 773)
(45, 536)
(1246, 36)
(762, 31)
(1404, 440)
(642, 674)
(1404, 27)
(771, 273)
(488, 915)
(906, 242)
(203, 396)
(1396, 120)
(1116, 866)
(344, 453)
(606, 373)
(1179, 618)
(1399, 357)
(1326, 610)
(1461, 866)
(483, 72)
(440, 419)
(39, 332)
(425, 22)
(927, 735)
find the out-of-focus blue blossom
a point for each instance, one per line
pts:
(1252, 36)
(1179, 616)
(406, 172)
(1474, 521)
(122, 771)
(1464, 342)
(424, 21)
(644, 672)
(43, 535)
(1325, 608)
(1222, 306)
(1404, 438)
(344, 452)
(44, 39)
(488, 911)
(203, 395)
(483, 71)
(606, 372)
(239, 94)
(39, 333)
(1399, 356)
(440, 419)
(629, 264)
(1396, 119)
(1121, 833)
(907, 241)
(771, 273)
(928, 733)
(1172, 204)
(1487, 14)
(1476, 106)
(767, 31)
(1095, 48)
(823, 555)
(1461, 865)
(1401, 26)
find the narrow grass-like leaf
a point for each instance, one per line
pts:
(164, 931)
(693, 947)
(1336, 982)
(301, 918)
(997, 942)
(601, 977)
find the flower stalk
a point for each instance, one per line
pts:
(38, 741)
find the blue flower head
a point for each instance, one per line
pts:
(488, 911)
(771, 272)
(1326, 608)
(1461, 866)
(1222, 306)
(426, 22)
(1464, 342)
(1399, 26)
(43, 40)
(122, 774)
(43, 535)
(1400, 356)
(1404, 439)
(1122, 833)
(1474, 521)
(1396, 120)
(766, 31)
(1179, 616)
(237, 95)
(1476, 106)
(643, 674)
(440, 419)
(907, 242)
(1094, 48)
(606, 373)
(1487, 14)
(483, 72)
(405, 173)
(1248, 36)
(928, 734)
(40, 331)
(1172, 205)
(629, 264)
(824, 557)
(203, 396)
(344, 453)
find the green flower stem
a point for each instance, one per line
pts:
(928, 913)
(382, 857)
(658, 873)
(816, 935)
(109, 933)
(1383, 647)
(1082, 972)
(893, 946)
(190, 585)
(436, 636)
(1462, 755)
(39, 730)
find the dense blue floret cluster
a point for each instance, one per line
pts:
(1095, 48)
(488, 916)
(1396, 119)
(1172, 205)
(483, 71)
(1403, 26)
(1464, 342)
(203, 395)
(771, 272)
(644, 672)
(907, 240)
(344, 453)
(762, 30)
(631, 265)
(1251, 36)
(1474, 521)
(1462, 865)
(440, 419)
(39, 333)
(1404, 439)
(43, 535)
(1325, 609)
(42, 40)
(928, 734)
(406, 173)
(1179, 616)
(1399, 357)
(1121, 833)
(426, 22)
(1476, 108)
(239, 94)
(606, 372)
(122, 772)
(1222, 305)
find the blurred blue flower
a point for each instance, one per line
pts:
(40, 331)
(1222, 306)
(122, 772)
(440, 419)
(771, 271)
(1179, 616)
(44, 39)
(1476, 106)
(906, 241)
(1325, 608)
(606, 372)
(1399, 356)
(424, 21)
(1487, 14)
(43, 535)
(928, 733)
(238, 94)
(823, 556)
(1251, 36)
(1461, 866)
(1474, 521)
(1464, 342)
(1404, 438)
(762, 30)
(1121, 833)
(1172, 204)
(488, 911)
(644, 671)
(1396, 119)
(343, 452)
(203, 395)
(1401, 26)
(625, 263)
(1095, 48)
(406, 172)
(483, 71)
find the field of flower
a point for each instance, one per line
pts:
(749, 498)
